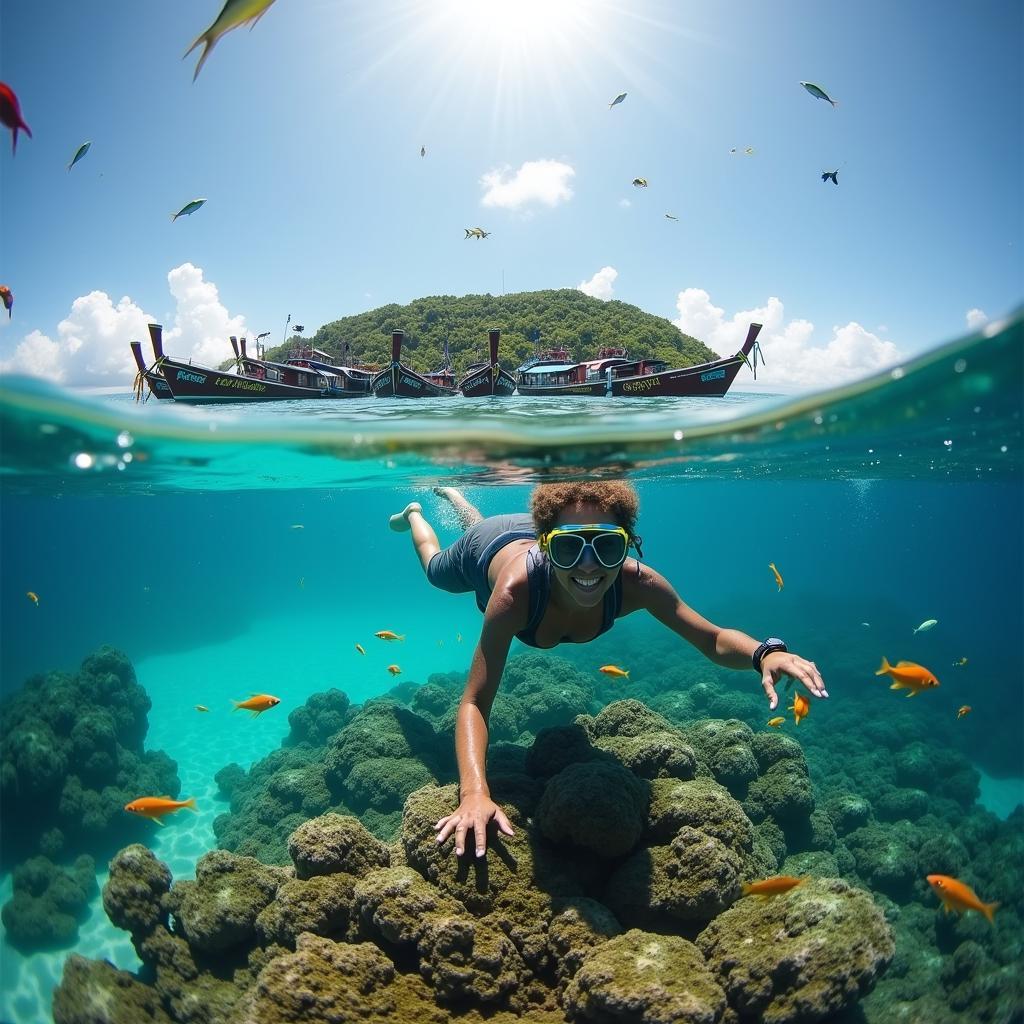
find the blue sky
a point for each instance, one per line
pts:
(304, 135)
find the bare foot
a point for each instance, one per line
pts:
(468, 515)
(399, 522)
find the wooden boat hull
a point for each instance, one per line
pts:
(158, 387)
(486, 381)
(191, 383)
(398, 381)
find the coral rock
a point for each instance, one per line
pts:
(335, 842)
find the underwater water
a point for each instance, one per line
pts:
(232, 551)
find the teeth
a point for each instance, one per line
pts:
(585, 583)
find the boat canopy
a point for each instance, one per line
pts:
(553, 368)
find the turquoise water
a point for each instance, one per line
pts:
(174, 535)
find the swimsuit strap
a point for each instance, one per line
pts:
(538, 577)
(612, 604)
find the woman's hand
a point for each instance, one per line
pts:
(781, 663)
(475, 811)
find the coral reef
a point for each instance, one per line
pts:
(48, 904)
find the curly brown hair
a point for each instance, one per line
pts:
(617, 499)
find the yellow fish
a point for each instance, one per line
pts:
(202, 707)
(614, 670)
(386, 634)
(359, 648)
(775, 572)
(232, 14)
(394, 669)
(33, 597)
(965, 710)
(776, 722)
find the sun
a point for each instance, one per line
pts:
(500, 24)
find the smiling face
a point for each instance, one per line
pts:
(586, 583)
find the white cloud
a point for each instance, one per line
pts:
(600, 285)
(537, 181)
(976, 318)
(625, 204)
(796, 361)
(91, 348)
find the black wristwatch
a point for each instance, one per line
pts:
(773, 643)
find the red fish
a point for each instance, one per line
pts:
(8, 299)
(10, 114)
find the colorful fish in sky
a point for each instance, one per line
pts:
(232, 14)
(188, 209)
(8, 299)
(818, 93)
(10, 115)
(79, 153)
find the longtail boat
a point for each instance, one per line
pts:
(399, 381)
(191, 382)
(483, 379)
(351, 381)
(147, 377)
(613, 373)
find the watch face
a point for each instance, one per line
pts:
(774, 640)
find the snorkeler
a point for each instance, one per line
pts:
(560, 575)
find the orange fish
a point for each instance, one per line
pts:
(772, 886)
(257, 703)
(7, 296)
(394, 669)
(776, 722)
(965, 710)
(155, 807)
(33, 597)
(386, 634)
(614, 670)
(800, 707)
(359, 648)
(775, 573)
(10, 115)
(959, 896)
(905, 675)
(202, 707)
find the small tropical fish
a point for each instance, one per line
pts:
(772, 886)
(960, 663)
(233, 14)
(302, 582)
(640, 182)
(905, 675)
(965, 710)
(926, 625)
(833, 175)
(155, 807)
(818, 93)
(394, 669)
(359, 648)
(257, 703)
(800, 707)
(79, 153)
(10, 115)
(775, 573)
(671, 216)
(618, 99)
(959, 896)
(8, 299)
(614, 670)
(776, 722)
(296, 526)
(748, 151)
(33, 597)
(458, 638)
(866, 625)
(386, 634)
(202, 707)
(188, 209)
(476, 233)
(423, 150)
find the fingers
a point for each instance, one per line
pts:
(503, 823)
(810, 677)
(769, 689)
